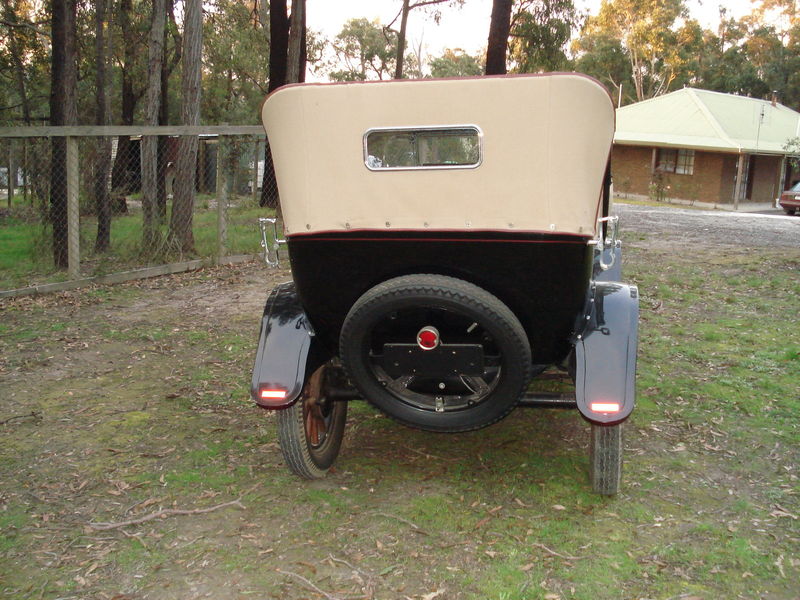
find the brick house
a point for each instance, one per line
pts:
(695, 145)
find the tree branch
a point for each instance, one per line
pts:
(425, 3)
(25, 26)
(167, 512)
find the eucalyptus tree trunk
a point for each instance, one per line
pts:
(401, 41)
(296, 53)
(127, 159)
(180, 226)
(63, 111)
(167, 67)
(278, 62)
(102, 197)
(150, 143)
(499, 29)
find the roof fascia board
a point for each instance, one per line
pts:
(735, 151)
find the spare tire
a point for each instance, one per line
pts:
(464, 316)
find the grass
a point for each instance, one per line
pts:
(154, 412)
(26, 244)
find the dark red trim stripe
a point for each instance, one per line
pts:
(416, 239)
(399, 234)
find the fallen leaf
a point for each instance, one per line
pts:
(559, 507)
(527, 567)
(433, 595)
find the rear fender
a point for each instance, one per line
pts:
(605, 353)
(285, 348)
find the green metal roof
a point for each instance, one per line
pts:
(703, 120)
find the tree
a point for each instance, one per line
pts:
(456, 63)
(235, 78)
(278, 43)
(540, 30)
(296, 52)
(102, 197)
(63, 111)
(367, 50)
(170, 60)
(149, 144)
(180, 227)
(644, 28)
(278, 65)
(131, 70)
(407, 7)
(16, 51)
(604, 58)
(497, 45)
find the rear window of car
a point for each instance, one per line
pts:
(423, 148)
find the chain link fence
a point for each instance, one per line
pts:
(89, 202)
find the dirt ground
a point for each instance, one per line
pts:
(691, 226)
(117, 403)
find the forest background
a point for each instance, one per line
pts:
(644, 47)
(193, 62)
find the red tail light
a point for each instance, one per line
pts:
(428, 338)
(272, 394)
(604, 407)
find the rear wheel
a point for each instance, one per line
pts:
(310, 432)
(436, 353)
(605, 458)
(789, 211)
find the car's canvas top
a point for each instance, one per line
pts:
(545, 146)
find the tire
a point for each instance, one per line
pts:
(605, 458)
(789, 211)
(311, 430)
(395, 310)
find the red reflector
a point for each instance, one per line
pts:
(428, 338)
(604, 407)
(273, 394)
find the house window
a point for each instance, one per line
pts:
(423, 148)
(675, 161)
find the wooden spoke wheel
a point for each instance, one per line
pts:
(310, 432)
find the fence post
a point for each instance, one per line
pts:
(255, 172)
(73, 210)
(11, 179)
(222, 198)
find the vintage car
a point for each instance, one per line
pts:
(790, 199)
(449, 242)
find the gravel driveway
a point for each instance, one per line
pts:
(748, 230)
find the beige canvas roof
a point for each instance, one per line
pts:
(704, 120)
(546, 141)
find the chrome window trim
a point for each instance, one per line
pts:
(475, 128)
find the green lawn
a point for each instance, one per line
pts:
(26, 244)
(133, 398)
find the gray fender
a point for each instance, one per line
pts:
(286, 345)
(605, 353)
